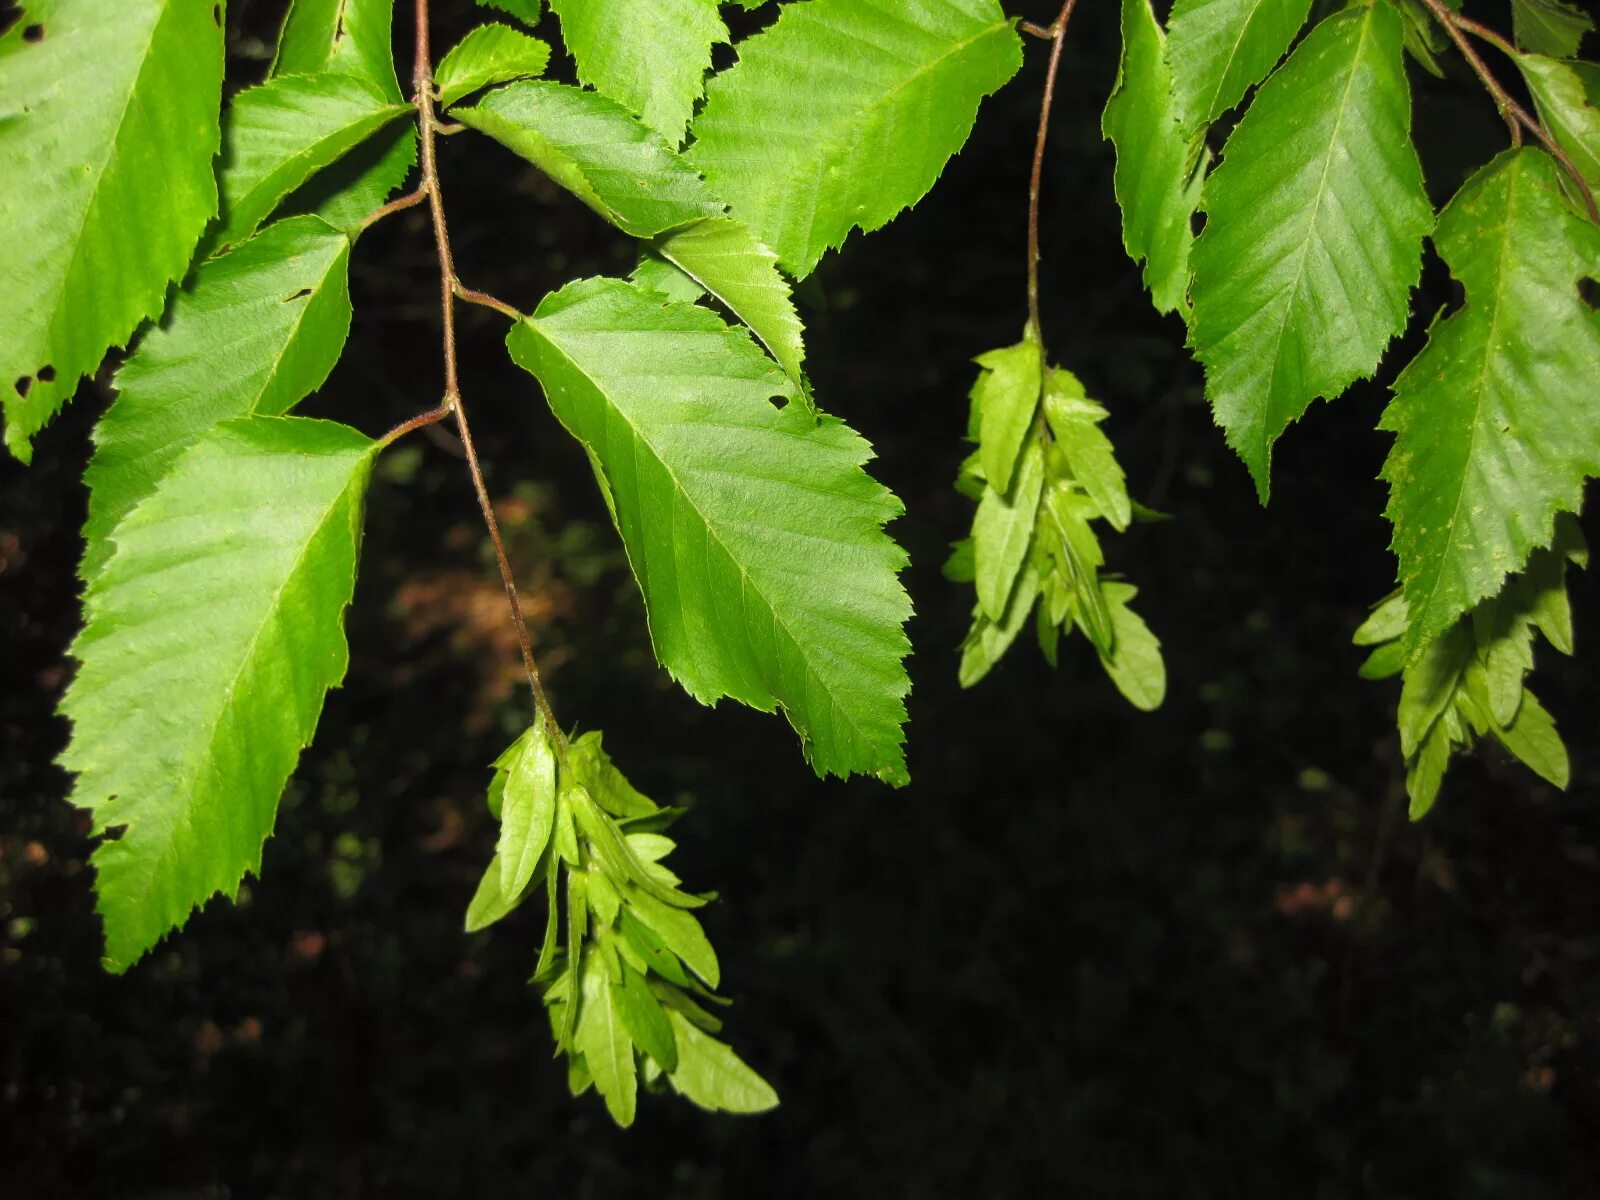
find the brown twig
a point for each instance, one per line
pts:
(432, 417)
(409, 200)
(1515, 116)
(449, 288)
(1058, 35)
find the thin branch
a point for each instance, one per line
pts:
(449, 286)
(420, 421)
(1058, 34)
(1515, 115)
(1034, 29)
(409, 200)
(484, 299)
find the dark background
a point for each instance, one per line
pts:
(1088, 952)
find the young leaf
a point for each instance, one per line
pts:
(1135, 664)
(649, 947)
(1568, 99)
(643, 1019)
(276, 136)
(1004, 400)
(1495, 421)
(605, 1046)
(1429, 686)
(275, 309)
(723, 256)
(609, 788)
(713, 1076)
(528, 809)
(351, 37)
(756, 537)
(212, 635)
(1154, 184)
(491, 901)
(1550, 27)
(844, 112)
(1002, 532)
(1220, 49)
(1532, 737)
(526, 11)
(489, 54)
(651, 56)
(108, 124)
(1313, 236)
(588, 144)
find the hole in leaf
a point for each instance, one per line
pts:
(303, 292)
(33, 33)
(47, 374)
(1589, 292)
(24, 384)
(216, 14)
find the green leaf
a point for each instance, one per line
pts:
(1002, 533)
(843, 113)
(622, 169)
(1532, 737)
(211, 636)
(612, 851)
(1552, 27)
(488, 55)
(713, 1076)
(651, 56)
(1495, 421)
(528, 809)
(1425, 772)
(1070, 538)
(1568, 99)
(1004, 399)
(108, 125)
(552, 919)
(679, 931)
(609, 788)
(1386, 622)
(987, 641)
(1135, 664)
(604, 1044)
(641, 1016)
(275, 309)
(278, 135)
(1075, 423)
(649, 946)
(490, 902)
(656, 274)
(723, 256)
(1313, 236)
(350, 37)
(1430, 684)
(756, 537)
(1155, 185)
(1219, 49)
(526, 11)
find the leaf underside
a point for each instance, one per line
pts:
(844, 112)
(755, 535)
(1313, 236)
(211, 637)
(1496, 419)
(108, 127)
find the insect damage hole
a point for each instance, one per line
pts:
(300, 295)
(46, 374)
(33, 33)
(22, 385)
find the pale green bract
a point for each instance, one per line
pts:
(1313, 236)
(275, 309)
(211, 637)
(1220, 49)
(713, 1076)
(488, 55)
(756, 537)
(1496, 422)
(108, 127)
(1156, 184)
(844, 112)
(651, 56)
(278, 135)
